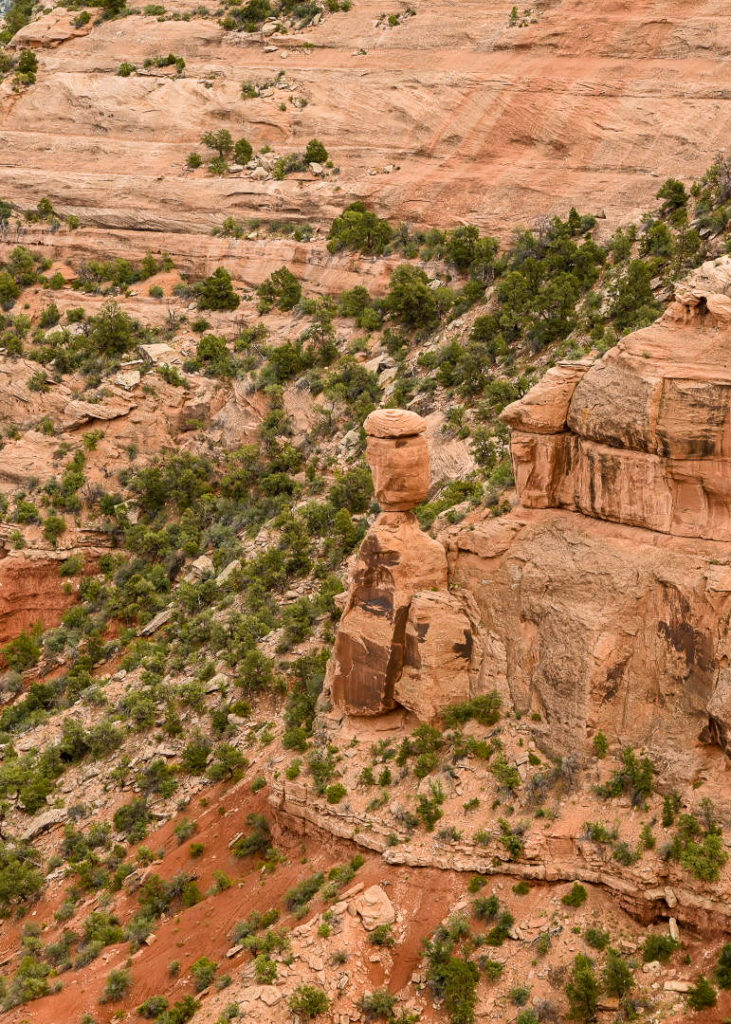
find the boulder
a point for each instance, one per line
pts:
(159, 353)
(545, 408)
(399, 458)
(374, 908)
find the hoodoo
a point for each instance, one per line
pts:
(403, 638)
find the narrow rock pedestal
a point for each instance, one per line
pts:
(403, 638)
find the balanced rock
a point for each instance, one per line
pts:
(399, 458)
(403, 638)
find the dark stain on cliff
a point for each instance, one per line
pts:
(695, 645)
(464, 650)
(615, 675)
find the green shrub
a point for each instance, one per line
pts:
(492, 969)
(360, 229)
(484, 709)
(702, 995)
(506, 774)
(429, 808)
(382, 936)
(315, 153)
(583, 989)
(455, 981)
(596, 938)
(500, 931)
(259, 839)
(658, 947)
(203, 971)
(723, 970)
(670, 808)
(281, 289)
(617, 975)
(117, 986)
(699, 845)
(309, 1002)
(486, 908)
(217, 292)
(576, 896)
(600, 745)
(378, 1005)
(24, 651)
(132, 819)
(634, 779)
(152, 1007)
(410, 300)
(126, 69)
(243, 151)
(334, 794)
(265, 970)
(21, 881)
(302, 893)
(519, 995)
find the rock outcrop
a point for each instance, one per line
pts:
(642, 437)
(606, 598)
(604, 602)
(486, 122)
(398, 457)
(403, 638)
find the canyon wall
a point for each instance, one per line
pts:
(605, 597)
(452, 115)
(603, 600)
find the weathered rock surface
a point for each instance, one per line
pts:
(399, 458)
(396, 560)
(593, 626)
(32, 590)
(438, 655)
(374, 908)
(642, 437)
(403, 638)
(566, 111)
(545, 408)
(618, 618)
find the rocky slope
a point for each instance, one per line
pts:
(510, 750)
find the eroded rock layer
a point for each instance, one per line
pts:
(396, 562)
(642, 437)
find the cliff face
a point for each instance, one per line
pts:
(599, 610)
(602, 602)
(451, 115)
(643, 436)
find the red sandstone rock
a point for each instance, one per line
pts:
(545, 408)
(615, 619)
(438, 649)
(399, 458)
(648, 438)
(396, 559)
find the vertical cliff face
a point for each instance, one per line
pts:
(603, 613)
